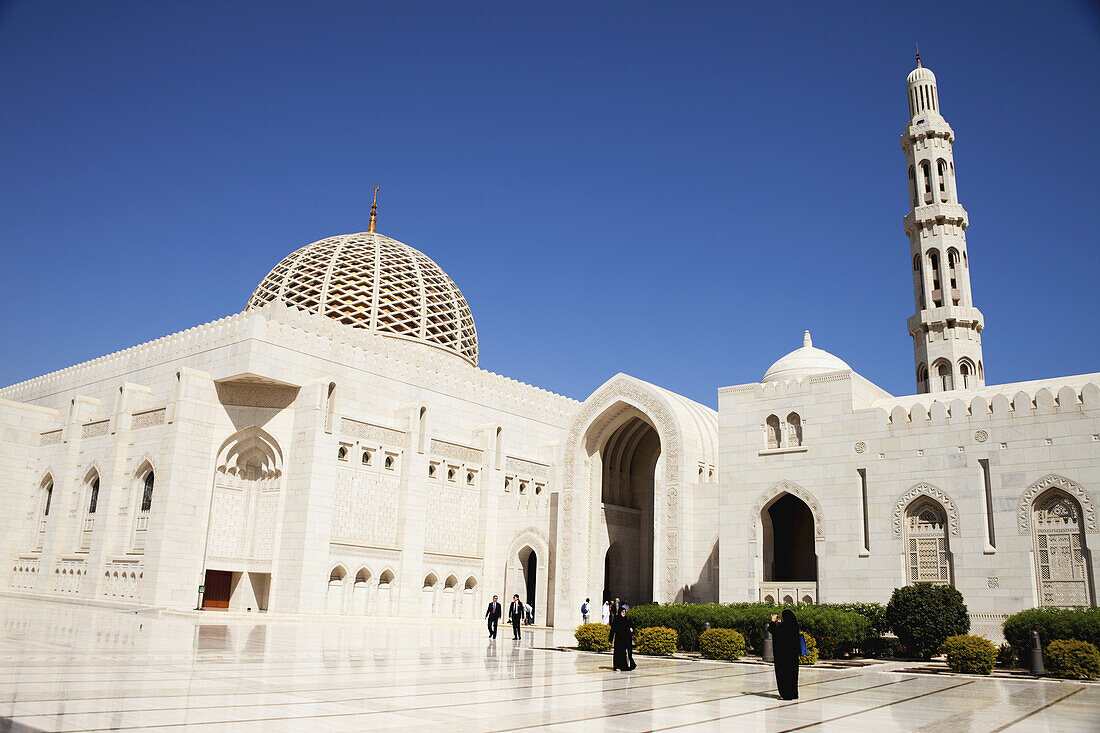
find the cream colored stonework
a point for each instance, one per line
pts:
(336, 449)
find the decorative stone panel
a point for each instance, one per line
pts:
(147, 419)
(68, 576)
(526, 468)
(372, 433)
(672, 545)
(94, 429)
(24, 573)
(51, 438)
(452, 520)
(1052, 480)
(122, 579)
(932, 492)
(365, 508)
(457, 452)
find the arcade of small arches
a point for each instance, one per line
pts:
(932, 266)
(926, 189)
(783, 433)
(969, 374)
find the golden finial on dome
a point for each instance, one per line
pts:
(374, 210)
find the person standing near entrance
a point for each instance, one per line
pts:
(493, 613)
(605, 615)
(584, 611)
(622, 638)
(786, 646)
(515, 615)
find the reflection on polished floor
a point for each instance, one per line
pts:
(68, 667)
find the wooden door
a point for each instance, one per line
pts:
(218, 584)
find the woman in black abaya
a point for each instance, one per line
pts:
(622, 637)
(786, 647)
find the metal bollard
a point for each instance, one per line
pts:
(1037, 668)
(769, 653)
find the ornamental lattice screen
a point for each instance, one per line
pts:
(926, 540)
(1060, 551)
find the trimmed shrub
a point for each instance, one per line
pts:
(875, 613)
(721, 644)
(1006, 658)
(970, 654)
(924, 615)
(1072, 659)
(882, 647)
(655, 640)
(844, 630)
(811, 655)
(592, 637)
(1082, 624)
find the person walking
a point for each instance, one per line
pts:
(615, 608)
(493, 613)
(515, 615)
(622, 639)
(786, 647)
(584, 611)
(605, 614)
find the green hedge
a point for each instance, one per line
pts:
(837, 630)
(1072, 659)
(812, 652)
(592, 637)
(655, 640)
(924, 615)
(721, 644)
(970, 654)
(1082, 624)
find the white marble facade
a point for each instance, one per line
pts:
(335, 448)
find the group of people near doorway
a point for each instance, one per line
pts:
(518, 612)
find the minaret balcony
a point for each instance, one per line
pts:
(924, 125)
(961, 315)
(936, 212)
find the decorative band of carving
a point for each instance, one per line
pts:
(147, 419)
(94, 429)
(527, 468)
(456, 452)
(932, 492)
(366, 431)
(51, 438)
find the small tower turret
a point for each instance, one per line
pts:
(946, 327)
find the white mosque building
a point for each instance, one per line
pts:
(336, 448)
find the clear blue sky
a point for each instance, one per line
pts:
(671, 190)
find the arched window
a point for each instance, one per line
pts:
(49, 499)
(943, 375)
(342, 453)
(794, 430)
(918, 274)
(773, 431)
(934, 264)
(922, 378)
(1060, 550)
(147, 493)
(953, 273)
(966, 371)
(926, 171)
(941, 170)
(929, 559)
(913, 186)
(93, 495)
(430, 580)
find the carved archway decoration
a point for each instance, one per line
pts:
(1054, 481)
(923, 489)
(777, 490)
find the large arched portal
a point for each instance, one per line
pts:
(628, 461)
(789, 554)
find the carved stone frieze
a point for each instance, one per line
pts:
(94, 429)
(373, 433)
(147, 419)
(457, 452)
(51, 438)
(521, 466)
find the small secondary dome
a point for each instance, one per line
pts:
(804, 362)
(921, 73)
(370, 281)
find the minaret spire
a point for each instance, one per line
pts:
(918, 55)
(374, 210)
(946, 328)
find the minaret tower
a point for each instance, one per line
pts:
(946, 328)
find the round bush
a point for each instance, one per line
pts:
(1072, 659)
(811, 655)
(655, 640)
(592, 637)
(970, 654)
(721, 644)
(924, 615)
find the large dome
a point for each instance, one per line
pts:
(378, 284)
(804, 362)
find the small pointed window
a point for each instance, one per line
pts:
(773, 431)
(93, 499)
(49, 499)
(147, 493)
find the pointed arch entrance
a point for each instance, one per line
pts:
(786, 526)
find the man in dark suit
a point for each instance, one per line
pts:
(515, 615)
(493, 613)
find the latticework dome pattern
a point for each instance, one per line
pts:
(376, 283)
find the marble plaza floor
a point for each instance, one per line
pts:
(66, 667)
